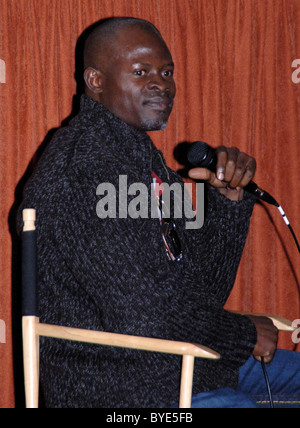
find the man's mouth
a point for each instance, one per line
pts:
(159, 103)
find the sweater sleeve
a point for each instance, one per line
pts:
(216, 248)
(121, 267)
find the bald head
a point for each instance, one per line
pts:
(103, 38)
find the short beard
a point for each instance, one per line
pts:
(154, 125)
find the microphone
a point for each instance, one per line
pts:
(201, 155)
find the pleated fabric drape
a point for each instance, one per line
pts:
(233, 68)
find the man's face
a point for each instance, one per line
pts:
(138, 85)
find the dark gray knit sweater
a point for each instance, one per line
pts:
(113, 274)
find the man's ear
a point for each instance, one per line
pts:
(94, 80)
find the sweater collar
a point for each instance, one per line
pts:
(98, 114)
(134, 144)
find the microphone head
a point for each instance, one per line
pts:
(201, 155)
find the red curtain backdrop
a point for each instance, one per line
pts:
(233, 62)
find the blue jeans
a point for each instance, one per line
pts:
(284, 377)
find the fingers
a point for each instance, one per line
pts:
(234, 169)
(267, 338)
(205, 175)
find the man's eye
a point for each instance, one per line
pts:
(140, 72)
(168, 73)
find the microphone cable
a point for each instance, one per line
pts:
(298, 247)
(263, 366)
(263, 195)
(288, 225)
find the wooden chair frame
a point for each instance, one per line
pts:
(33, 330)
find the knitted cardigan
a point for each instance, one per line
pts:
(113, 274)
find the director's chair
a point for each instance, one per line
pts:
(33, 330)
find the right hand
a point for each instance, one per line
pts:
(267, 338)
(234, 171)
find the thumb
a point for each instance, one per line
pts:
(204, 174)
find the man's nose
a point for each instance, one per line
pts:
(158, 84)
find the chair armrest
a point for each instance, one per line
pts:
(126, 341)
(283, 324)
(33, 329)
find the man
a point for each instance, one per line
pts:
(124, 274)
